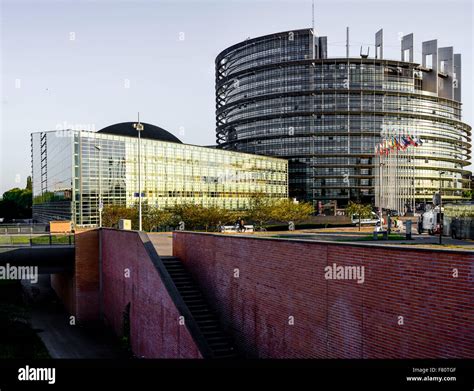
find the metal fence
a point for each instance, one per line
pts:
(36, 240)
(10, 229)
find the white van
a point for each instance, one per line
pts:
(374, 219)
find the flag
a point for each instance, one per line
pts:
(405, 143)
(411, 141)
(417, 141)
(394, 143)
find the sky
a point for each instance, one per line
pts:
(88, 64)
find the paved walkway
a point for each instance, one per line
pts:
(163, 242)
(61, 339)
(347, 236)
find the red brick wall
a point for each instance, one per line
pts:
(79, 291)
(63, 285)
(155, 331)
(335, 318)
(87, 276)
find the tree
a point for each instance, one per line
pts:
(260, 210)
(468, 194)
(287, 210)
(196, 217)
(29, 183)
(113, 213)
(16, 203)
(361, 211)
(155, 218)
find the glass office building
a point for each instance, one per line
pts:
(280, 95)
(73, 170)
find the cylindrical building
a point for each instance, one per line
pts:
(280, 95)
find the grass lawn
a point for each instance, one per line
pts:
(370, 238)
(17, 338)
(35, 239)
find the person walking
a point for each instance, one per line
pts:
(241, 225)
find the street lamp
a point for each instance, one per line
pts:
(101, 204)
(381, 189)
(440, 209)
(139, 127)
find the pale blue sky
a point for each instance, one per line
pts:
(68, 83)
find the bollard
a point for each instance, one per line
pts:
(408, 230)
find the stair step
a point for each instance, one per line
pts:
(197, 301)
(202, 312)
(185, 285)
(218, 337)
(220, 344)
(226, 357)
(206, 319)
(198, 307)
(180, 279)
(222, 352)
(210, 329)
(207, 322)
(189, 294)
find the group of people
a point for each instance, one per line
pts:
(239, 225)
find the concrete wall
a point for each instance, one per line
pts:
(279, 279)
(129, 277)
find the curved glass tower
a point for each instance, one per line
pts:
(280, 95)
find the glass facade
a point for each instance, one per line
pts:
(72, 170)
(326, 115)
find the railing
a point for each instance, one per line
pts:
(21, 240)
(21, 228)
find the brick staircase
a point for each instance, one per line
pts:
(207, 320)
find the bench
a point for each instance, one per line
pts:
(233, 228)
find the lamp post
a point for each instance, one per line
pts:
(101, 205)
(381, 198)
(139, 127)
(440, 209)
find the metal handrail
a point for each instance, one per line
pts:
(22, 240)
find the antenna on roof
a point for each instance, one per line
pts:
(364, 55)
(347, 42)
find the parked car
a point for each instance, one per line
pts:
(374, 219)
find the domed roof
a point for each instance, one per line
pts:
(149, 131)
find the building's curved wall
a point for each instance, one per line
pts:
(327, 115)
